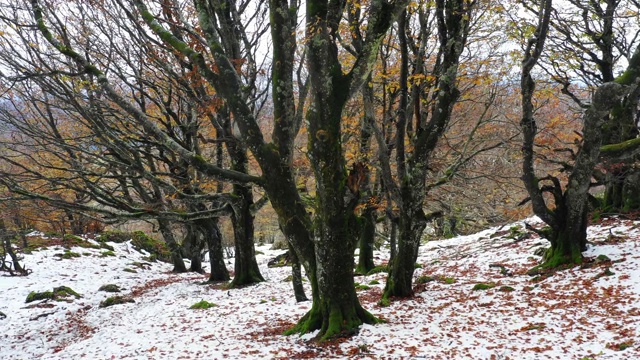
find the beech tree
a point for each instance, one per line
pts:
(452, 19)
(325, 245)
(164, 186)
(567, 213)
(588, 43)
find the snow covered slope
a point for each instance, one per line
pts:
(587, 312)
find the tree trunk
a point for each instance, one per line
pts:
(367, 241)
(393, 239)
(191, 245)
(176, 253)
(211, 232)
(411, 226)
(246, 267)
(336, 309)
(296, 276)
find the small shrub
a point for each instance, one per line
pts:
(115, 300)
(483, 286)
(109, 288)
(202, 305)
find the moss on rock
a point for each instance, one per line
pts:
(115, 300)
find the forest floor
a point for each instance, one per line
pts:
(585, 312)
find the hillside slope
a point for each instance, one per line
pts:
(587, 312)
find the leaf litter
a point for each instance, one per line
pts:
(590, 311)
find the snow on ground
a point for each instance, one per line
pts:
(587, 312)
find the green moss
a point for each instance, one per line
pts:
(449, 280)
(625, 345)
(129, 270)
(483, 286)
(35, 296)
(106, 246)
(311, 321)
(384, 302)
(109, 288)
(142, 241)
(263, 301)
(602, 258)
(374, 282)
(68, 255)
(114, 236)
(59, 293)
(424, 279)
(417, 266)
(115, 300)
(362, 287)
(202, 305)
(506, 289)
(107, 253)
(379, 269)
(65, 291)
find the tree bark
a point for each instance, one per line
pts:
(210, 230)
(296, 276)
(176, 253)
(366, 241)
(246, 267)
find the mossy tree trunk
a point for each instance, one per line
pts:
(192, 246)
(210, 231)
(174, 247)
(411, 225)
(366, 242)
(453, 19)
(621, 179)
(568, 220)
(246, 267)
(296, 276)
(324, 254)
